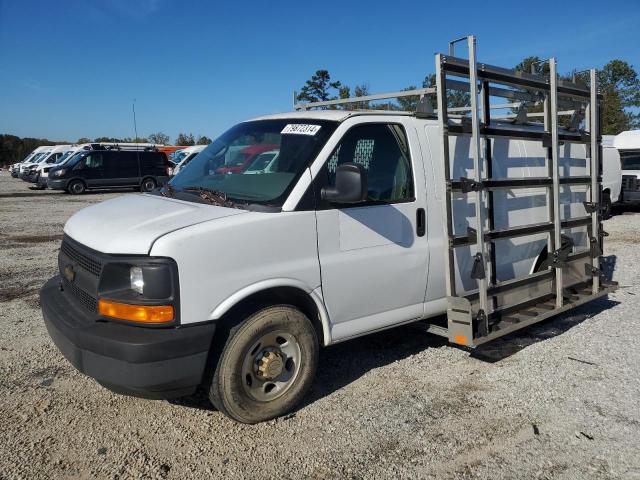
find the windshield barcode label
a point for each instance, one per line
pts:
(301, 129)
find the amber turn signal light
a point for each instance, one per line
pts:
(460, 339)
(136, 313)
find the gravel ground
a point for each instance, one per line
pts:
(558, 400)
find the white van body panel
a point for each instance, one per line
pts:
(131, 223)
(628, 143)
(47, 158)
(28, 158)
(229, 257)
(38, 154)
(628, 140)
(611, 172)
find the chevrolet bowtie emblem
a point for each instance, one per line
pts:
(69, 273)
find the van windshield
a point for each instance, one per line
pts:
(73, 160)
(226, 165)
(64, 157)
(630, 159)
(38, 157)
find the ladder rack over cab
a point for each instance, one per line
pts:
(571, 274)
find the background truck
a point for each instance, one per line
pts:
(369, 219)
(628, 145)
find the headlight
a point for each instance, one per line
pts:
(137, 280)
(59, 173)
(140, 290)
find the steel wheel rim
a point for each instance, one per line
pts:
(76, 187)
(149, 185)
(265, 388)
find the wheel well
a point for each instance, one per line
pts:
(250, 305)
(275, 296)
(81, 180)
(148, 176)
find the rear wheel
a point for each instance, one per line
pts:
(148, 184)
(76, 187)
(606, 205)
(266, 366)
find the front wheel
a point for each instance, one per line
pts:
(267, 365)
(76, 187)
(147, 184)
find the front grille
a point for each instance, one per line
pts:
(86, 300)
(91, 265)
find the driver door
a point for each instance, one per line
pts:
(374, 255)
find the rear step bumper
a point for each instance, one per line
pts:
(460, 316)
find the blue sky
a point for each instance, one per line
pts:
(72, 68)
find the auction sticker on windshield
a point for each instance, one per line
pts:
(301, 129)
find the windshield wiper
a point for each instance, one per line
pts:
(214, 197)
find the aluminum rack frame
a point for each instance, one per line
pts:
(492, 309)
(475, 317)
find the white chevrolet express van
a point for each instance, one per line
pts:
(233, 281)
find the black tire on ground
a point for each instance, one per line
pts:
(148, 184)
(606, 205)
(76, 187)
(267, 365)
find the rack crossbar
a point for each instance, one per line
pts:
(521, 231)
(517, 78)
(461, 129)
(528, 182)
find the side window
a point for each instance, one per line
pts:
(111, 163)
(119, 163)
(93, 161)
(383, 151)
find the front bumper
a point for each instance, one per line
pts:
(42, 181)
(144, 362)
(56, 184)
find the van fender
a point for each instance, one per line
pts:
(315, 294)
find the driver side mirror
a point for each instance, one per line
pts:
(350, 186)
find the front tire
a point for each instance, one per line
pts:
(267, 365)
(76, 187)
(148, 184)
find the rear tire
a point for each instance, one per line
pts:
(606, 205)
(267, 365)
(148, 184)
(76, 187)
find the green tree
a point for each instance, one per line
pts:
(159, 138)
(108, 140)
(618, 83)
(185, 139)
(83, 140)
(203, 140)
(620, 88)
(361, 90)
(14, 149)
(319, 88)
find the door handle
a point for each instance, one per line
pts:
(421, 222)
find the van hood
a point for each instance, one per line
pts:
(131, 223)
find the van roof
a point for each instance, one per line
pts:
(335, 115)
(629, 140)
